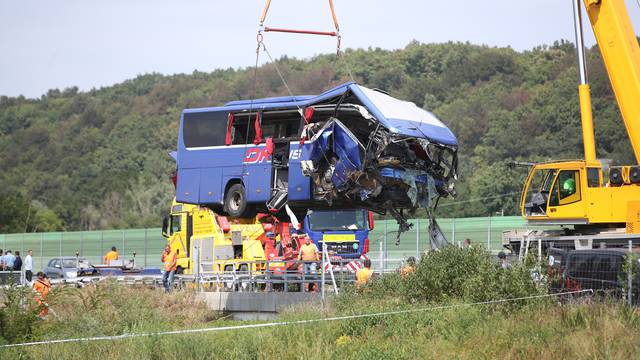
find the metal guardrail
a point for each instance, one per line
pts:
(271, 275)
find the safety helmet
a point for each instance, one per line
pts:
(569, 185)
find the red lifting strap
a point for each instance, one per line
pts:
(308, 114)
(229, 128)
(308, 32)
(269, 143)
(258, 139)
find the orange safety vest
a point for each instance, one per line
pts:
(309, 252)
(363, 275)
(169, 261)
(42, 287)
(406, 271)
(111, 255)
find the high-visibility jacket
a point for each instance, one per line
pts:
(309, 252)
(111, 255)
(169, 261)
(363, 275)
(42, 286)
(406, 271)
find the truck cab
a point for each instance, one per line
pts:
(346, 232)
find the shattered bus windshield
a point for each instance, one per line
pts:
(337, 220)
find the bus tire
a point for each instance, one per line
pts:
(235, 202)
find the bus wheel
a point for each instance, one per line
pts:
(235, 202)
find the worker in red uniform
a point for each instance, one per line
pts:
(42, 287)
(170, 260)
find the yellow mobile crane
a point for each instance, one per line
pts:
(596, 203)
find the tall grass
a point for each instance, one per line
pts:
(526, 329)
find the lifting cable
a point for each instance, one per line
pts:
(261, 46)
(262, 28)
(335, 33)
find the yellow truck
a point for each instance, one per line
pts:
(223, 245)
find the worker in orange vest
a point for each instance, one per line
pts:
(42, 287)
(409, 268)
(170, 259)
(111, 255)
(363, 275)
(310, 255)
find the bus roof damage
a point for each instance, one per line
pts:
(381, 152)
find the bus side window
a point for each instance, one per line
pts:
(280, 126)
(207, 128)
(241, 124)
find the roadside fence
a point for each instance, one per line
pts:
(147, 244)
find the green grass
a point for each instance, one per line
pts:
(531, 329)
(537, 331)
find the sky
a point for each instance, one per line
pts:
(89, 43)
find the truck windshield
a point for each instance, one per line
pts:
(337, 220)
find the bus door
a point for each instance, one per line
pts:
(280, 131)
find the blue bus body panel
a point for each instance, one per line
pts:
(188, 188)
(205, 172)
(347, 147)
(299, 185)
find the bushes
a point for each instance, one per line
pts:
(18, 314)
(468, 275)
(451, 274)
(105, 308)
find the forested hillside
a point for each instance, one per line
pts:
(99, 159)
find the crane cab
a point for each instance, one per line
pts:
(575, 193)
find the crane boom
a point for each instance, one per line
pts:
(621, 55)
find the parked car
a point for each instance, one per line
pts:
(601, 270)
(69, 268)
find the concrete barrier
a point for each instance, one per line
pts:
(255, 305)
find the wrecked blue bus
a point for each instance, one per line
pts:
(349, 147)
